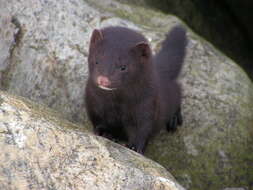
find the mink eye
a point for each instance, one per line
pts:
(96, 63)
(123, 67)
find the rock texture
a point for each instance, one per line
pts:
(45, 52)
(224, 23)
(39, 150)
(214, 145)
(43, 57)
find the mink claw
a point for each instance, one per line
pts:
(134, 148)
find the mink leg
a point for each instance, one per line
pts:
(179, 117)
(137, 146)
(101, 130)
(175, 120)
(138, 138)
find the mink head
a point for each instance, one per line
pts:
(117, 57)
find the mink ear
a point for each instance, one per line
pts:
(142, 49)
(96, 37)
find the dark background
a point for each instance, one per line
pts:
(227, 24)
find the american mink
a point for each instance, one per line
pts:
(131, 94)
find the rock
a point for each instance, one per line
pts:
(213, 149)
(46, 51)
(226, 24)
(8, 34)
(44, 59)
(40, 150)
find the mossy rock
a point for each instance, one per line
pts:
(213, 149)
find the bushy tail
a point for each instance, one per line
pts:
(170, 58)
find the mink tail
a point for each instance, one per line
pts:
(170, 58)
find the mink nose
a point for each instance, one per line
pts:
(103, 81)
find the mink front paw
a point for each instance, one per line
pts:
(175, 121)
(136, 148)
(100, 130)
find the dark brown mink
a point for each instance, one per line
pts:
(131, 94)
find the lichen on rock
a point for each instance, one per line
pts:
(44, 57)
(38, 152)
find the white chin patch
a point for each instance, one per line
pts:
(105, 88)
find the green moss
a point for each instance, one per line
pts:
(138, 14)
(225, 161)
(241, 156)
(1, 101)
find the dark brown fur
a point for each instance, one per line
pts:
(143, 95)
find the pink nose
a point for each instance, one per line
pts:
(103, 81)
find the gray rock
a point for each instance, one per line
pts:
(40, 150)
(8, 35)
(46, 61)
(213, 148)
(44, 58)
